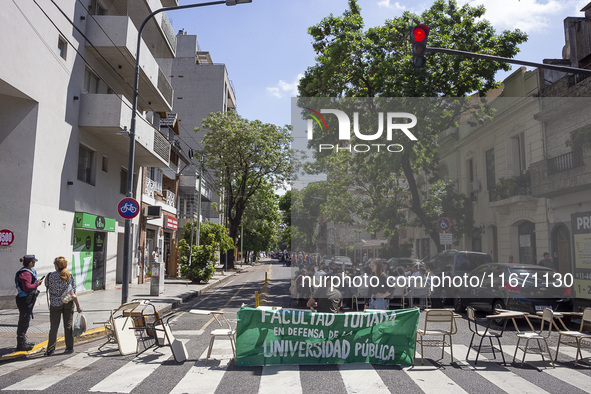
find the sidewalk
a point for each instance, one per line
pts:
(97, 306)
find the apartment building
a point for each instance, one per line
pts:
(201, 87)
(66, 86)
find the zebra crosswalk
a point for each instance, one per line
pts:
(138, 374)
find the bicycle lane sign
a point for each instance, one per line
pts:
(128, 208)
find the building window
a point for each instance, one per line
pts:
(96, 8)
(105, 164)
(490, 169)
(123, 181)
(515, 155)
(86, 165)
(91, 82)
(62, 47)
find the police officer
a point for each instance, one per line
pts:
(26, 284)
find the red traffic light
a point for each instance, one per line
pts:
(419, 33)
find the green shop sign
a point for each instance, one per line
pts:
(93, 222)
(285, 336)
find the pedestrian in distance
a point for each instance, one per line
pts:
(547, 261)
(26, 282)
(510, 260)
(62, 297)
(326, 299)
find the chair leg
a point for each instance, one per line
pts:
(501, 350)
(578, 351)
(470, 346)
(558, 347)
(492, 347)
(478, 351)
(451, 349)
(549, 355)
(422, 353)
(443, 347)
(516, 347)
(541, 351)
(210, 347)
(524, 352)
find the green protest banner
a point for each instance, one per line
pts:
(286, 336)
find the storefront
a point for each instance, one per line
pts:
(89, 250)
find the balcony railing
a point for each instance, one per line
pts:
(152, 187)
(510, 187)
(565, 162)
(170, 198)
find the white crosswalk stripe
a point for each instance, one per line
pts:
(285, 376)
(503, 379)
(356, 378)
(432, 380)
(210, 374)
(49, 376)
(362, 378)
(134, 372)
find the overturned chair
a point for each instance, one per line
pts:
(119, 328)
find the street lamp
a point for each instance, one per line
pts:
(127, 234)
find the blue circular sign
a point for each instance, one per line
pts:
(444, 224)
(128, 208)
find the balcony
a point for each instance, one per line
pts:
(561, 175)
(190, 184)
(119, 49)
(510, 190)
(158, 31)
(106, 116)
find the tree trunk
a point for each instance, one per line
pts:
(416, 207)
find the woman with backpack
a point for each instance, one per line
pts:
(62, 291)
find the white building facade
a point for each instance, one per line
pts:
(66, 80)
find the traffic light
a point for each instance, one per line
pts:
(418, 38)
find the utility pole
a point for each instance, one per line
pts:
(199, 196)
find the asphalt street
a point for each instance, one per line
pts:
(155, 371)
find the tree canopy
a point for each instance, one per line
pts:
(353, 61)
(247, 156)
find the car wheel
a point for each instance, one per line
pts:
(498, 304)
(459, 305)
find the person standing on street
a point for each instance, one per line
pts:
(547, 261)
(59, 284)
(26, 284)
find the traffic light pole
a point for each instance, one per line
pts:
(500, 59)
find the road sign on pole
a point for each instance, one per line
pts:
(128, 208)
(445, 239)
(444, 224)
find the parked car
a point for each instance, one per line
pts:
(522, 287)
(452, 263)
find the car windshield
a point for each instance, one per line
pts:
(531, 270)
(468, 261)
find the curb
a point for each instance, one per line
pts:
(96, 333)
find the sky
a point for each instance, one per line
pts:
(266, 47)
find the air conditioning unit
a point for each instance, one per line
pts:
(153, 211)
(475, 186)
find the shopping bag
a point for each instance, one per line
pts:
(79, 326)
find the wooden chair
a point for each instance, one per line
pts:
(438, 322)
(578, 336)
(538, 336)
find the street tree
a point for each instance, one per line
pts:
(260, 222)
(245, 156)
(353, 61)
